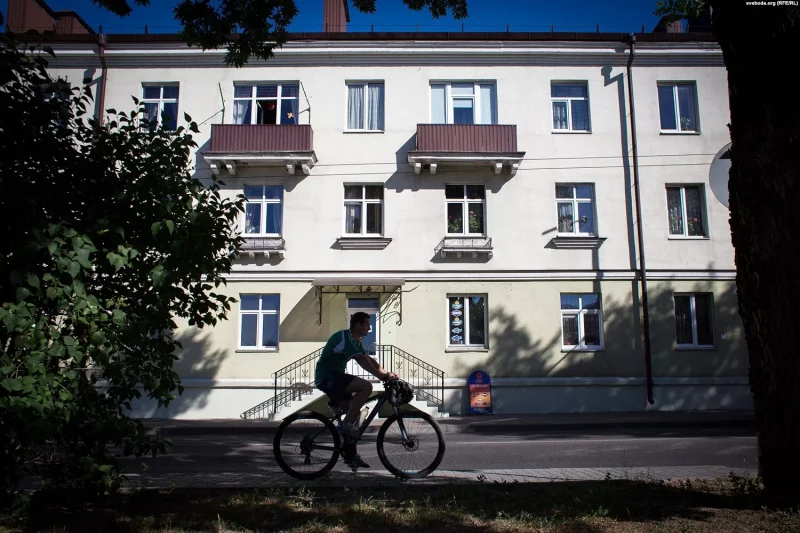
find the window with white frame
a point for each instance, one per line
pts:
(686, 211)
(363, 209)
(581, 321)
(575, 206)
(693, 320)
(677, 107)
(263, 210)
(467, 321)
(463, 103)
(259, 321)
(275, 103)
(161, 105)
(466, 209)
(570, 106)
(365, 103)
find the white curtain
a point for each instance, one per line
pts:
(241, 111)
(355, 107)
(438, 104)
(488, 116)
(560, 116)
(565, 217)
(375, 106)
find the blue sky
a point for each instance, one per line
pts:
(393, 15)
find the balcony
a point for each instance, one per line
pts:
(261, 145)
(494, 146)
(465, 245)
(268, 246)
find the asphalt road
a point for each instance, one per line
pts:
(647, 447)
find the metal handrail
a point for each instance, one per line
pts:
(427, 380)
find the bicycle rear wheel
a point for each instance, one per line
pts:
(417, 455)
(306, 445)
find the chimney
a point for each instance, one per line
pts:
(27, 15)
(335, 15)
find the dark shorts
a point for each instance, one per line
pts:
(334, 387)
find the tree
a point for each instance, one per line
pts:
(107, 239)
(759, 45)
(254, 28)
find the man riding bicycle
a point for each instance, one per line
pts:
(343, 388)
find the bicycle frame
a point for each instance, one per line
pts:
(380, 401)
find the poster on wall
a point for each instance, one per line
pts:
(480, 393)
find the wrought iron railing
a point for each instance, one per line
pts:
(298, 379)
(252, 245)
(464, 244)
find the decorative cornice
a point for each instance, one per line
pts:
(363, 243)
(577, 242)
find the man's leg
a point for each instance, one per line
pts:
(361, 390)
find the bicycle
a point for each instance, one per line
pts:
(301, 435)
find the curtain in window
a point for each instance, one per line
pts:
(274, 218)
(565, 217)
(702, 311)
(289, 110)
(438, 104)
(683, 320)
(488, 115)
(560, 116)
(375, 94)
(570, 325)
(694, 212)
(686, 107)
(591, 329)
(674, 211)
(580, 115)
(241, 111)
(355, 107)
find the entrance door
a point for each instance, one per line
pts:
(371, 306)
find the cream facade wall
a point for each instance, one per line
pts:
(525, 275)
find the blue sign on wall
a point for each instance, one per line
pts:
(480, 393)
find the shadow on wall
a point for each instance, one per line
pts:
(198, 359)
(301, 324)
(514, 352)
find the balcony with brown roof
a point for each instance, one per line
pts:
(481, 145)
(260, 145)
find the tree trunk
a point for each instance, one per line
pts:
(761, 49)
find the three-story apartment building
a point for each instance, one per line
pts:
(476, 194)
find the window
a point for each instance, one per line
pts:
(575, 206)
(259, 318)
(463, 103)
(693, 320)
(263, 211)
(265, 104)
(361, 199)
(581, 323)
(570, 106)
(676, 105)
(365, 106)
(685, 211)
(466, 208)
(466, 318)
(161, 105)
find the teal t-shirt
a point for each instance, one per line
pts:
(339, 349)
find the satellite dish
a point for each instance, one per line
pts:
(718, 174)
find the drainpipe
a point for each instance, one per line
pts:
(648, 364)
(101, 98)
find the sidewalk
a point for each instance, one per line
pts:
(489, 424)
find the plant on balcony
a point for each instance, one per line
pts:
(107, 242)
(475, 223)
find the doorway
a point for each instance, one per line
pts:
(371, 306)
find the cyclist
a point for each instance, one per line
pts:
(343, 388)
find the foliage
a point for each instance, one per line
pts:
(678, 9)
(254, 28)
(107, 240)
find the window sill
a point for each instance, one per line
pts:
(467, 349)
(571, 132)
(567, 349)
(257, 350)
(663, 132)
(363, 243)
(574, 242)
(363, 131)
(696, 348)
(687, 238)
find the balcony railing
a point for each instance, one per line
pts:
(264, 245)
(261, 138)
(461, 245)
(495, 138)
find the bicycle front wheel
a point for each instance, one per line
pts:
(306, 445)
(418, 453)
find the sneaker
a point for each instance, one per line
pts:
(356, 462)
(349, 431)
